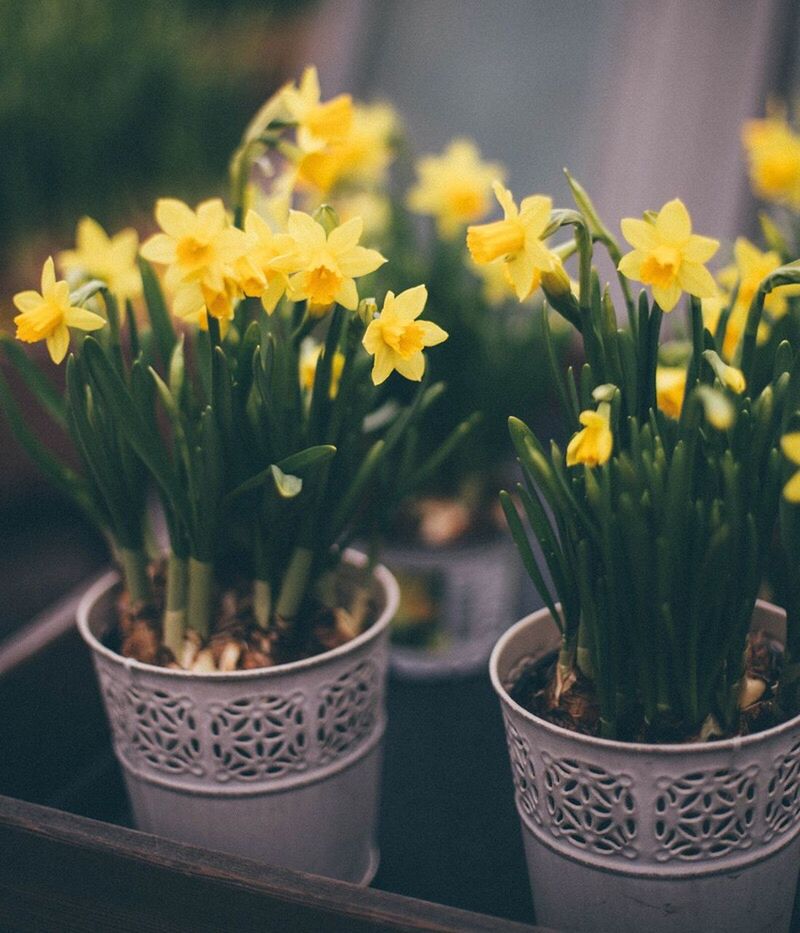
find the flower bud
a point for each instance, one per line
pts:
(367, 309)
(719, 411)
(555, 283)
(326, 217)
(731, 377)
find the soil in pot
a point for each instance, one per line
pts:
(236, 640)
(577, 709)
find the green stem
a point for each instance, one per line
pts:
(201, 590)
(295, 583)
(134, 571)
(175, 611)
(262, 602)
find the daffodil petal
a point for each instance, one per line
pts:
(409, 304)
(48, 275)
(631, 265)
(360, 261)
(174, 217)
(697, 280)
(700, 248)
(673, 222)
(383, 365)
(639, 233)
(432, 334)
(667, 297)
(347, 295)
(343, 238)
(413, 368)
(83, 319)
(58, 344)
(27, 301)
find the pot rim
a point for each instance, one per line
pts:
(383, 576)
(615, 745)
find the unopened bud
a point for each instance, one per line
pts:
(367, 309)
(326, 217)
(719, 411)
(731, 377)
(556, 283)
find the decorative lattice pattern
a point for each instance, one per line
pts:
(347, 710)
(590, 807)
(258, 737)
(783, 793)
(523, 771)
(705, 815)
(160, 729)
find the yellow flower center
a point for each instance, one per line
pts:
(192, 253)
(491, 241)
(404, 337)
(466, 202)
(661, 266)
(41, 323)
(322, 284)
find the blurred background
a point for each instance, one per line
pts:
(104, 105)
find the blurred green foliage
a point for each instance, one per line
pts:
(105, 104)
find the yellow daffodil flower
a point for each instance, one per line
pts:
(257, 277)
(670, 389)
(593, 445)
(318, 123)
(309, 357)
(47, 316)
(454, 187)
(668, 256)
(200, 249)
(396, 337)
(322, 267)
(516, 241)
(111, 259)
(749, 270)
(361, 158)
(790, 445)
(773, 155)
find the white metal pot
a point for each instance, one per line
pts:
(629, 837)
(478, 587)
(281, 765)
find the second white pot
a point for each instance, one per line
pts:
(281, 765)
(626, 837)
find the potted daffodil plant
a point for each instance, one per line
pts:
(458, 575)
(232, 367)
(651, 721)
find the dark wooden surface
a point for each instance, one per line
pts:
(60, 872)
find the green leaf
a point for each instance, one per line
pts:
(157, 312)
(41, 387)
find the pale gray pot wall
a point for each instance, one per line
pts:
(281, 765)
(482, 586)
(629, 837)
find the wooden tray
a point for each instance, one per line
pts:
(451, 854)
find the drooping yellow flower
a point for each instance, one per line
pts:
(318, 123)
(200, 249)
(257, 276)
(47, 316)
(454, 187)
(361, 158)
(790, 445)
(396, 338)
(309, 358)
(322, 267)
(668, 256)
(516, 241)
(750, 269)
(773, 155)
(593, 445)
(111, 259)
(670, 389)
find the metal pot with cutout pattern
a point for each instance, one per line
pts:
(281, 765)
(629, 837)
